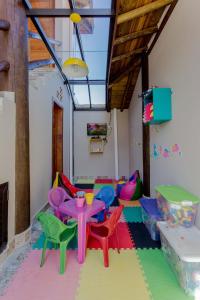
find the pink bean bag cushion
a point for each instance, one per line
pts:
(128, 190)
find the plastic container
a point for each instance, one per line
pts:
(151, 215)
(80, 201)
(181, 247)
(89, 198)
(176, 205)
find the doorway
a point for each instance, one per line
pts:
(57, 140)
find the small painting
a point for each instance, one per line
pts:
(95, 129)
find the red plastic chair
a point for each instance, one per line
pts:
(103, 231)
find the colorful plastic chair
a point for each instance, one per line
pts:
(58, 233)
(56, 196)
(103, 231)
(107, 195)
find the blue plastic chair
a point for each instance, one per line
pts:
(107, 195)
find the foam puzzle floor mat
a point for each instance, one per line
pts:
(141, 236)
(84, 185)
(132, 214)
(36, 283)
(122, 280)
(160, 278)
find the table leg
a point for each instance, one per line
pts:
(81, 238)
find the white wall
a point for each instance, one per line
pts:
(86, 164)
(7, 153)
(123, 142)
(42, 92)
(135, 130)
(174, 63)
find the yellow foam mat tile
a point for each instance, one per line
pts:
(122, 280)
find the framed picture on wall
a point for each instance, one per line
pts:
(96, 129)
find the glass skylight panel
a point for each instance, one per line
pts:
(81, 96)
(98, 95)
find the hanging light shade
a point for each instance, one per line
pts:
(75, 67)
(75, 18)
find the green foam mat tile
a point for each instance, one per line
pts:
(160, 278)
(85, 180)
(98, 186)
(133, 214)
(39, 244)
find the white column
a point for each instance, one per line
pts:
(71, 142)
(115, 143)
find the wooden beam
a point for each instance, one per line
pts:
(126, 90)
(14, 48)
(4, 66)
(36, 36)
(40, 63)
(129, 54)
(145, 130)
(123, 73)
(110, 52)
(143, 10)
(135, 35)
(4, 25)
(162, 25)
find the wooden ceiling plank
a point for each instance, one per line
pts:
(135, 35)
(143, 10)
(129, 54)
(124, 72)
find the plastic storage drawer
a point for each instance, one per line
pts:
(150, 216)
(181, 247)
(176, 205)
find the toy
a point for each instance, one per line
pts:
(148, 113)
(128, 190)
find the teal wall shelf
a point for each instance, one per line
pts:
(162, 104)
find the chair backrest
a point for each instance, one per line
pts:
(51, 226)
(107, 195)
(56, 196)
(111, 223)
(54, 229)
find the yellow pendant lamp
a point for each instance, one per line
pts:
(75, 67)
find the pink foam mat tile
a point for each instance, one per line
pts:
(36, 283)
(125, 241)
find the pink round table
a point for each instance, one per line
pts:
(82, 215)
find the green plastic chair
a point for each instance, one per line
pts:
(58, 233)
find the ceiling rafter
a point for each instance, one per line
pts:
(135, 35)
(141, 11)
(131, 66)
(129, 54)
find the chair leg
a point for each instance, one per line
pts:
(63, 249)
(105, 252)
(117, 239)
(43, 252)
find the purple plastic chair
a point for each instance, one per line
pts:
(56, 196)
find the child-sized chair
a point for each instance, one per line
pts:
(107, 195)
(103, 231)
(58, 233)
(57, 196)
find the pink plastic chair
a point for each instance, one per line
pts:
(56, 196)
